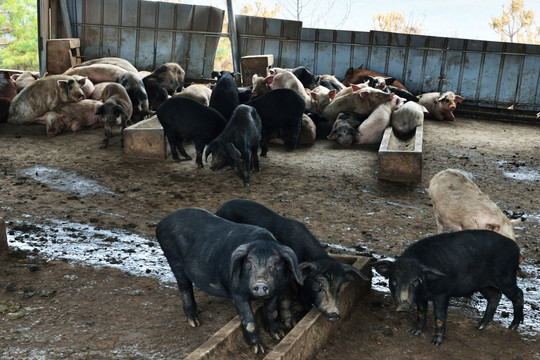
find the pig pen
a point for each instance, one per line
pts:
(85, 278)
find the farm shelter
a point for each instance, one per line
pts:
(86, 279)
(490, 75)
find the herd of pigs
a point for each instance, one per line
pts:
(254, 252)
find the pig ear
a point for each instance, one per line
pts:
(459, 99)
(14, 77)
(355, 87)
(493, 227)
(352, 273)
(332, 94)
(215, 74)
(431, 273)
(62, 83)
(291, 259)
(82, 81)
(389, 80)
(237, 258)
(364, 94)
(313, 95)
(306, 268)
(121, 109)
(269, 79)
(384, 267)
(332, 135)
(233, 151)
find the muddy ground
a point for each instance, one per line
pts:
(52, 308)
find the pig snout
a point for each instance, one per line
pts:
(260, 289)
(333, 316)
(403, 306)
(452, 107)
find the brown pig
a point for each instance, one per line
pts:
(359, 75)
(97, 73)
(164, 81)
(4, 108)
(371, 130)
(8, 89)
(260, 86)
(72, 116)
(116, 110)
(440, 105)
(44, 95)
(459, 204)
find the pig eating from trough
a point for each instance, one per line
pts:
(183, 118)
(229, 260)
(440, 105)
(324, 275)
(44, 95)
(459, 204)
(198, 92)
(238, 143)
(455, 265)
(406, 119)
(371, 130)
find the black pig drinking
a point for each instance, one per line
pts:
(325, 276)
(454, 265)
(228, 260)
(183, 118)
(238, 143)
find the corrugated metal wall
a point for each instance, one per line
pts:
(148, 33)
(486, 73)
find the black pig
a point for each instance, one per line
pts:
(225, 97)
(137, 94)
(325, 276)
(280, 109)
(184, 118)
(238, 143)
(229, 260)
(454, 265)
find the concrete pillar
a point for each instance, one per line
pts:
(3, 238)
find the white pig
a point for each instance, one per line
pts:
(72, 116)
(460, 205)
(97, 73)
(405, 119)
(288, 80)
(371, 130)
(198, 92)
(440, 105)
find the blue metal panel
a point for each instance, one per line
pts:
(471, 75)
(489, 78)
(529, 89)
(415, 72)
(509, 79)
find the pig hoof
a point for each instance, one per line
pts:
(257, 348)
(416, 332)
(278, 335)
(194, 322)
(437, 340)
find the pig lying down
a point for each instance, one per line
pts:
(228, 260)
(455, 265)
(440, 105)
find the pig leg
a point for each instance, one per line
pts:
(421, 315)
(108, 135)
(255, 158)
(247, 319)
(199, 148)
(186, 292)
(270, 307)
(244, 168)
(516, 296)
(493, 296)
(440, 308)
(285, 310)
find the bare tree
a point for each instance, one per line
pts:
(315, 12)
(395, 21)
(516, 24)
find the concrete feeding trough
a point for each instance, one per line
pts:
(401, 160)
(146, 139)
(302, 342)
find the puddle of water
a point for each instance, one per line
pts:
(92, 246)
(523, 173)
(67, 181)
(86, 244)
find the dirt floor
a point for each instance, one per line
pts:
(51, 308)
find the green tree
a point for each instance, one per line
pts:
(18, 35)
(516, 24)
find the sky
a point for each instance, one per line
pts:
(467, 19)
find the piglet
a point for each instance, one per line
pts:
(72, 116)
(344, 129)
(440, 105)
